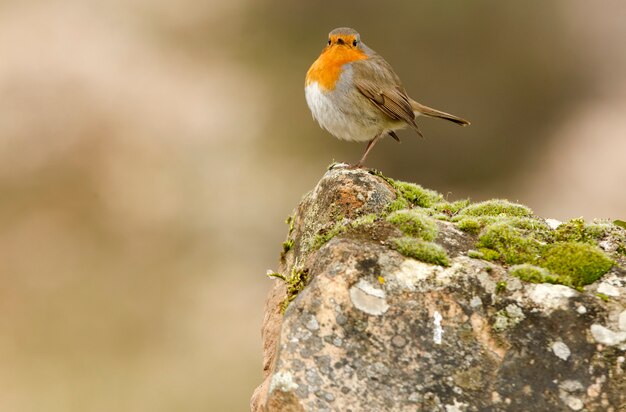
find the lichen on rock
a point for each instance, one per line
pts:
(391, 297)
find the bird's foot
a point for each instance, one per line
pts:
(338, 165)
(360, 166)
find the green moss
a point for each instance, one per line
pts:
(598, 230)
(532, 224)
(496, 207)
(620, 223)
(416, 194)
(489, 254)
(500, 287)
(326, 234)
(474, 254)
(507, 232)
(603, 296)
(533, 274)
(451, 208)
(607, 230)
(576, 264)
(398, 204)
(364, 220)
(287, 245)
(414, 223)
(421, 250)
(534, 227)
(296, 281)
(576, 230)
(291, 221)
(484, 253)
(340, 227)
(410, 194)
(513, 246)
(470, 225)
(276, 275)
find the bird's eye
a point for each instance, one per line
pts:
(329, 42)
(354, 42)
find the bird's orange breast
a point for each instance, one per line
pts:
(327, 68)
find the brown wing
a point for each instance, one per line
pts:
(391, 100)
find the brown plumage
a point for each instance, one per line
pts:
(355, 94)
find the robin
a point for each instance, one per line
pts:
(355, 94)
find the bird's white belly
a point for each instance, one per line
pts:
(341, 118)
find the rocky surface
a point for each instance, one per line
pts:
(367, 328)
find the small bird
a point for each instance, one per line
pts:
(355, 95)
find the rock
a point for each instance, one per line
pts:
(375, 330)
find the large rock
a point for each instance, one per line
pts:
(375, 330)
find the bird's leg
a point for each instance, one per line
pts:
(369, 147)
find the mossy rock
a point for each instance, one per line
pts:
(325, 235)
(506, 232)
(340, 227)
(295, 283)
(451, 208)
(578, 264)
(470, 225)
(513, 246)
(576, 230)
(533, 226)
(496, 207)
(428, 252)
(416, 194)
(484, 253)
(532, 273)
(414, 223)
(399, 204)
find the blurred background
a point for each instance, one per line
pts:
(151, 150)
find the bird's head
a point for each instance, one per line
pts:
(344, 37)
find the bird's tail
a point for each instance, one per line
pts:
(420, 109)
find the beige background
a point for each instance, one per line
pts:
(150, 151)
